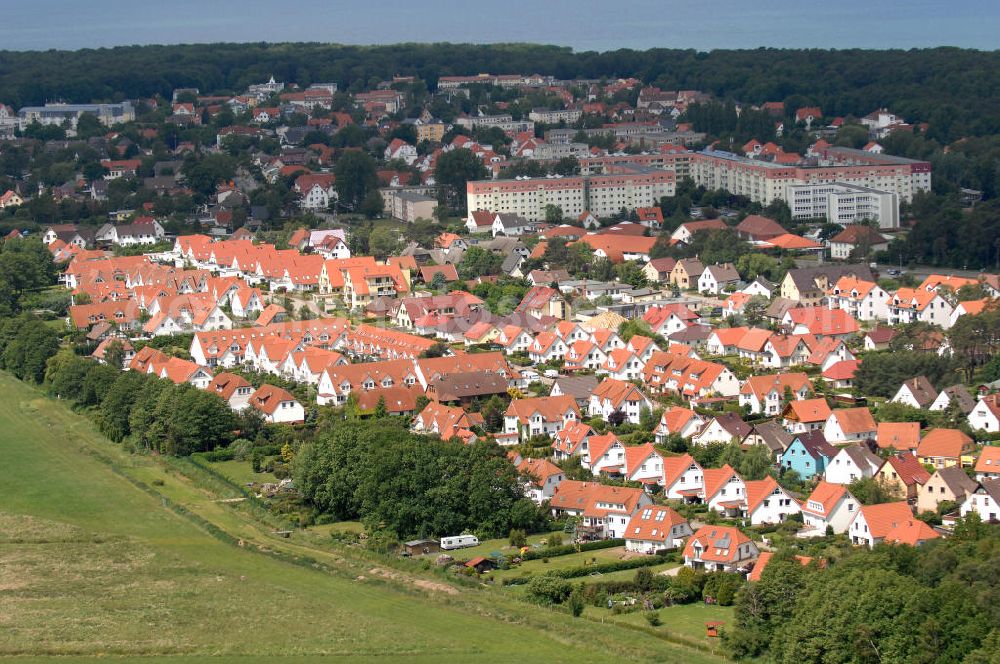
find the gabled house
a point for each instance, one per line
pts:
(988, 463)
(916, 393)
(683, 478)
(719, 549)
(604, 511)
(808, 454)
(904, 474)
(847, 425)
(805, 415)
(612, 397)
(765, 394)
(910, 305)
(277, 405)
(716, 278)
(984, 501)
(680, 421)
(725, 491)
(829, 506)
(234, 390)
(946, 484)
(873, 523)
(686, 273)
(723, 428)
(900, 436)
(768, 502)
(541, 478)
(656, 528)
(538, 416)
(941, 448)
(985, 414)
(605, 454)
(643, 464)
(851, 463)
(956, 396)
(572, 440)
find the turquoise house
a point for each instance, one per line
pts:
(808, 454)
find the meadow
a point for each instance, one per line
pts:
(106, 554)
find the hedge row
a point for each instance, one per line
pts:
(602, 568)
(566, 549)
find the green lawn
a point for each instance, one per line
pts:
(95, 566)
(684, 621)
(502, 545)
(539, 566)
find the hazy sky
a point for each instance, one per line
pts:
(583, 24)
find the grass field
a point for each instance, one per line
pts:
(96, 563)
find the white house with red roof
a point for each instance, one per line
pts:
(887, 522)
(605, 454)
(765, 394)
(316, 190)
(683, 478)
(656, 528)
(541, 478)
(572, 440)
(613, 395)
(829, 505)
(400, 149)
(538, 416)
(677, 420)
(910, 305)
(643, 464)
(768, 502)
(719, 549)
(724, 491)
(863, 300)
(604, 510)
(277, 405)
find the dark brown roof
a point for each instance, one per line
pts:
(467, 384)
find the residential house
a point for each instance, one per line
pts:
(984, 501)
(723, 428)
(542, 301)
(903, 474)
(805, 415)
(542, 478)
(851, 463)
(605, 454)
(946, 484)
(900, 436)
(765, 394)
(613, 397)
(767, 502)
(683, 478)
(847, 425)
(578, 387)
(873, 523)
(658, 270)
(686, 273)
(277, 405)
(941, 448)
(916, 393)
(863, 300)
(656, 528)
(679, 421)
(604, 511)
(857, 241)
(572, 440)
(643, 464)
(538, 416)
(234, 390)
(957, 397)
(717, 278)
(910, 305)
(725, 491)
(808, 454)
(719, 549)
(985, 414)
(770, 434)
(988, 463)
(829, 506)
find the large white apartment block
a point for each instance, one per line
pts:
(764, 181)
(843, 203)
(601, 195)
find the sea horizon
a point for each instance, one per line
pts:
(584, 25)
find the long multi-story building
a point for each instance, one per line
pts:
(844, 204)
(69, 114)
(602, 195)
(764, 181)
(504, 121)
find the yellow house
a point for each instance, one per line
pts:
(942, 448)
(431, 131)
(10, 199)
(949, 483)
(903, 474)
(686, 272)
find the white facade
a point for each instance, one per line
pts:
(843, 204)
(843, 469)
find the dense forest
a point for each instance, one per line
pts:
(956, 91)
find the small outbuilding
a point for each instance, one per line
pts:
(421, 547)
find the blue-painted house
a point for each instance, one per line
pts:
(808, 454)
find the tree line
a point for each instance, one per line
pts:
(957, 91)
